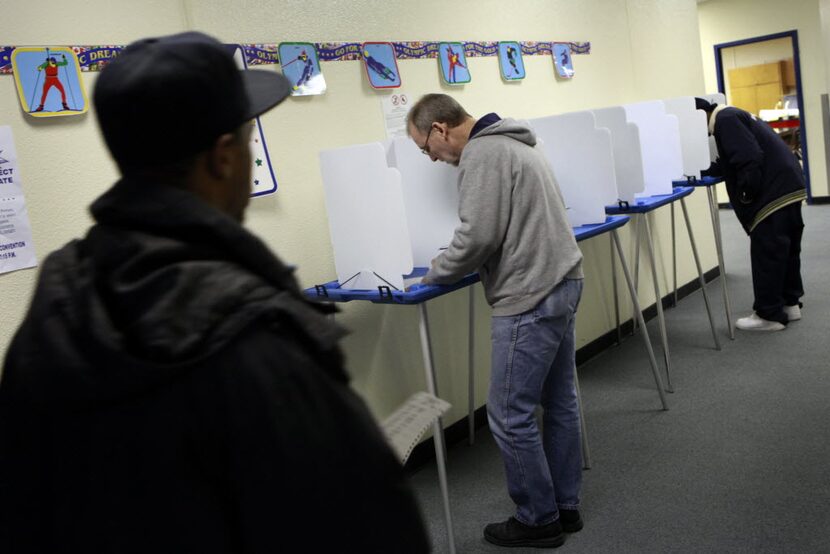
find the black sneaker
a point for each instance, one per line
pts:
(515, 533)
(570, 520)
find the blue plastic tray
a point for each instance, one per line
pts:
(702, 182)
(649, 203)
(331, 291)
(611, 222)
(417, 293)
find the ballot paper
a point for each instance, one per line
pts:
(405, 427)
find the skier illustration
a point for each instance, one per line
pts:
(50, 67)
(453, 58)
(511, 57)
(564, 58)
(308, 69)
(383, 71)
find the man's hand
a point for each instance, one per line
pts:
(434, 263)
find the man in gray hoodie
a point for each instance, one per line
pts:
(514, 231)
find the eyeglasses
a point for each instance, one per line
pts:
(425, 148)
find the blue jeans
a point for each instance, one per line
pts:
(533, 364)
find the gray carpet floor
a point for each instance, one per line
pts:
(738, 464)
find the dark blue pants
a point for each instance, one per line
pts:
(775, 251)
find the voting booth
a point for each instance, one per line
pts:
(627, 150)
(702, 150)
(390, 210)
(659, 146)
(694, 134)
(582, 160)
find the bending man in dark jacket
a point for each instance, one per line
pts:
(765, 184)
(170, 390)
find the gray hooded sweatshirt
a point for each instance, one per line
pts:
(514, 229)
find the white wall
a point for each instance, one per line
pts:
(641, 49)
(730, 20)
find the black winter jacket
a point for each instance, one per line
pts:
(170, 391)
(761, 173)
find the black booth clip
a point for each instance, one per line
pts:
(623, 204)
(383, 290)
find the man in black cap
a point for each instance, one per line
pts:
(765, 184)
(170, 390)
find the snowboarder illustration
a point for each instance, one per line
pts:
(564, 58)
(50, 67)
(383, 71)
(453, 58)
(511, 57)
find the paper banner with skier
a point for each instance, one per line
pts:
(49, 81)
(301, 66)
(381, 64)
(510, 61)
(263, 180)
(453, 63)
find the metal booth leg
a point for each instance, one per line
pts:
(633, 292)
(700, 273)
(635, 221)
(438, 427)
(673, 257)
(661, 318)
(616, 297)
(586, 452)
(713, 208)
(471, 390)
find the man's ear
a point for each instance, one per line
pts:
(220, 156)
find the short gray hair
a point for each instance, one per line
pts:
(439, 108)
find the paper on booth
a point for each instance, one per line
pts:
(406, 425)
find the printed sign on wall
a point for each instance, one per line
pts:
(16, 250)
(510, 61)
(300, 65)
(561, 53)
(381, 65)
(263, 180)
(395, 109)
(49, 81)
(453, 63)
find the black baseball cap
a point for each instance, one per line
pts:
(703, 104)
(166, 98)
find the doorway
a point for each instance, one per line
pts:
(762, 75)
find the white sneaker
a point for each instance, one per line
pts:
(793, 312)
(756, 323)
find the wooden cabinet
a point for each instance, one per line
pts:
(759, 87)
